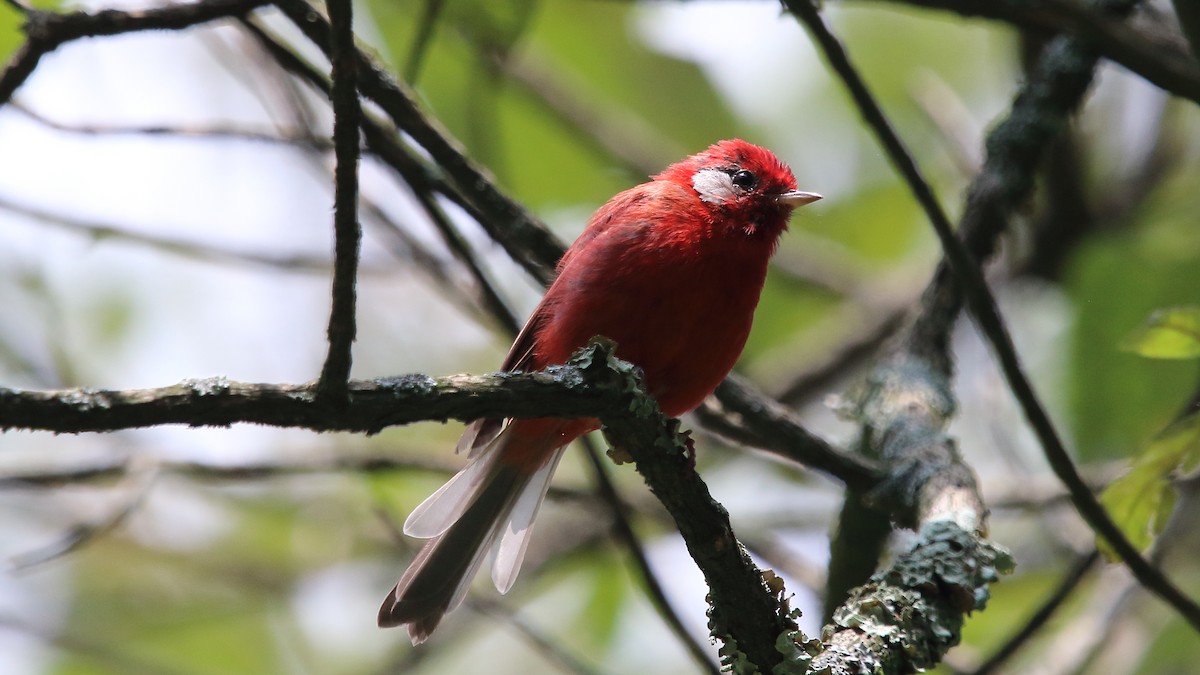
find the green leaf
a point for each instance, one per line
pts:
(1118, 399)
(1172, 333)
(1141, 501)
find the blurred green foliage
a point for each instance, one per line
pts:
(1120, 399)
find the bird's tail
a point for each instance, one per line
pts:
(488, 506)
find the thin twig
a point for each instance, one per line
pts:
(332, 387)
(431, 11)
(542, 643)
(767, 424)
(851, 350)
(619, 136)
(80, 534)
(525, 239)
(233, 132)
(1050, 605)
(101, 231)
(490, 297)
(102, 652)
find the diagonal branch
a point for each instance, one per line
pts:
(1079, 571)
(623, 531)
(1054, 90)
(525, 239)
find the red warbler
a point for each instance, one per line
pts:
(671, 270)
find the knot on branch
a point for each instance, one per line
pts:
(206, 386)
(596, 368)
(39, 25)
(596, 365)
(904, 391)
(904, 408)
(909, 615)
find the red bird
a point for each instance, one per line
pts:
(671, 270)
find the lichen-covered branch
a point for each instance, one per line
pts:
(909, 615)
(374, 404)
(745, 611)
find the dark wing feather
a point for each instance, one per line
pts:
(520, 356)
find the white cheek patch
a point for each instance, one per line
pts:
(714, 186)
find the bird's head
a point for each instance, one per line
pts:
(742, 184)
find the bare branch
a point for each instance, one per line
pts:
(542, 643)
(187, 249)
(47, 31)
(524, 238)
(294, 137)
(79, 535)
(331, 388)
(758, 420)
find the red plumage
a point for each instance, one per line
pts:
(671, 270)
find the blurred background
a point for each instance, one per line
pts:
(165, 212)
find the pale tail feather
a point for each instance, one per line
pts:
(438, 578)
(444, 507)
(478, 436)
(488, 506)
(514, 538)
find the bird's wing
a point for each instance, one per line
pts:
(522, 355)
(481, 432)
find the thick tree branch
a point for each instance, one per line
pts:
(622, 530)
(591, 384)
(907, 617)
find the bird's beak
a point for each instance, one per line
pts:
(797, 198)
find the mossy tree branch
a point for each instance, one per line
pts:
(592, 384)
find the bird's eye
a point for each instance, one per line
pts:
(745, 179)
